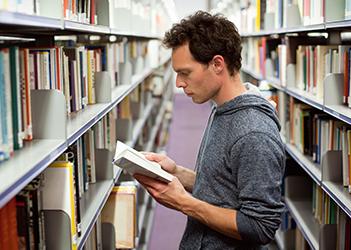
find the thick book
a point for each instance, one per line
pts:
(135, 162)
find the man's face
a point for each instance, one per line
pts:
(197, 80)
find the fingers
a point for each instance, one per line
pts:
(149, 182)
(154, 157)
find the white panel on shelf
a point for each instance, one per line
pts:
(26, 164)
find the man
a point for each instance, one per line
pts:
(233, 200)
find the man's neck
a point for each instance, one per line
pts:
(231, 88)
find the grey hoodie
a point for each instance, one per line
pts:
(240, 165)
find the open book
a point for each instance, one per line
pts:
(135, 162)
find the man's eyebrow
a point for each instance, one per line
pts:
(181, 70)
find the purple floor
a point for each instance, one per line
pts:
(189, 121)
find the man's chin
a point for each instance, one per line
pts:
(197, 100)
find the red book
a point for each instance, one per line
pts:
(12, 221)
(58, 67)
(92, 12)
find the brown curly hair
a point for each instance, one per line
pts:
(208, 35)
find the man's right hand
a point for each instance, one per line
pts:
(184, 175)
(166, 163)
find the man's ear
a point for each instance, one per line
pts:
(218, 64)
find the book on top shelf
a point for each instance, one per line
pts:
(135, 162)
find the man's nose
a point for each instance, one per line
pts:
(179, 82)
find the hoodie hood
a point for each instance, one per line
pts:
(249, 101)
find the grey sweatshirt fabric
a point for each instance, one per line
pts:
(240, 166)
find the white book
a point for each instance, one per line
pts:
(8, 100)
(135, 162)
(345, 161)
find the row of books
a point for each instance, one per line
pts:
(311, 59)
(323, 211)
(324, 208)
(22, 220)
(307, 128)
(71, 70)
(314, 133)
(74, 171)
(80, 10)
(76, 10)
(22, 224)
(276, 14)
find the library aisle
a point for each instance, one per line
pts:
(189, 121)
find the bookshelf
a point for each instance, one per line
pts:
(20, 20)
(309, 28)
(56, 131)
(92, 204)
(276, 37)
(301, 210)
(306, 163)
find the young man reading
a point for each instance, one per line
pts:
(233, 199)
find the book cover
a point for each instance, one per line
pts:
(120, 211)
(135, 162)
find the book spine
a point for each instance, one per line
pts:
(66, 83)
(6, 64)
(16, 98)
(4, 153)
(28, 111)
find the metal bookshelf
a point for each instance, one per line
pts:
(311, 168)
(339, 194)
(340, 112)
(309, 28)
(29, 162)
(25, 24)
(139, 124)
(154, 130)
(84, 27)
(31, 21)
(118, 32)
(301, 211)
(79, 122)
(92, 203)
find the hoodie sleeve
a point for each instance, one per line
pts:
(260, 161)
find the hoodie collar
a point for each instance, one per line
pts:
(248, 101)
